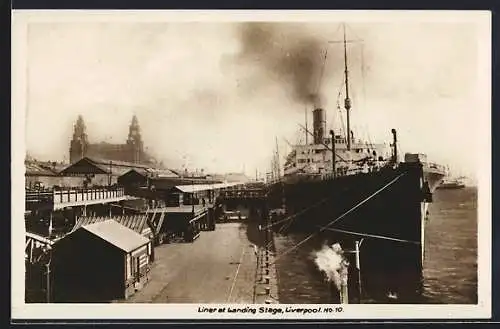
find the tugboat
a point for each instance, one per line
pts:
(349, 190)
(452, 183)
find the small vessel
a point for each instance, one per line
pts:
(450, 183)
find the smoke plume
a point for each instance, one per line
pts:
(330, 261)
(288, 55)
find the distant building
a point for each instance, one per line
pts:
(132, 151)
(106, 172)
(39, 175)
(231, 177)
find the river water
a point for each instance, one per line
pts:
(450, 267)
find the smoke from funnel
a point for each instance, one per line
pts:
(292, 57)
(330, 261)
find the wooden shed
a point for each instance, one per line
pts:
(100, 262)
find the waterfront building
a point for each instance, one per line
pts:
(131, 151)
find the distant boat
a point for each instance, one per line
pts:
(452, 183)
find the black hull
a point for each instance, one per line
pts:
(388, 214)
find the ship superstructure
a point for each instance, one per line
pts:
(314, 161)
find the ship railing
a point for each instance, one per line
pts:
(352, 171)
(435, 166)
(249, 193)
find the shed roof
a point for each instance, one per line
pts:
(137, 223)
(117, 235)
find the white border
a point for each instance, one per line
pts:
(20, 310)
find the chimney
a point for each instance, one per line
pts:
(319, 125)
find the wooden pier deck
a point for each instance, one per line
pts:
(219, 267)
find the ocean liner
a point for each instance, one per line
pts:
(359, 194)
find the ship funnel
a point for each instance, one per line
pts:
(319, 125)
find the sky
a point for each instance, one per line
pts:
(218, 95)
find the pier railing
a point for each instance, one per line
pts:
(248, 193)
(63, 196)
(74, 195)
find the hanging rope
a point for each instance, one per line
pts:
(291, 217)
(341, 118)
(373, 236)
(320, 79)
(340, 217)
(363, 75)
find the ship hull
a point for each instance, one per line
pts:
(384, 209)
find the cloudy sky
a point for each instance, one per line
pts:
(217, 94)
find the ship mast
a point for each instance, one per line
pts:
(347, 101)
(278, 169)
(305, 113)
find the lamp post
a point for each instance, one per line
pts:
(344, 273)
(358, 267)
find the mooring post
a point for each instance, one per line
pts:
(344, 294)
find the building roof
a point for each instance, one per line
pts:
(117, 235)
(105, 162)
(236, 177)
(154, 173)
(94, 165)
(38, 169)
(137, 223)
(204, 187)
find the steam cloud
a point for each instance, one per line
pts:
(288, 54)
(330, 261)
